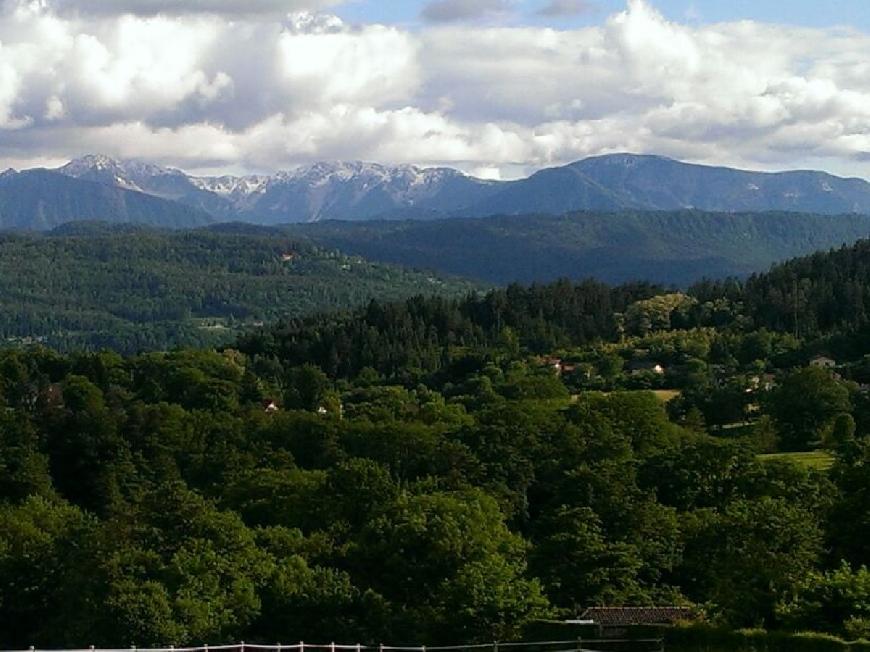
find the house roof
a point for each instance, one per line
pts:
(621, 616)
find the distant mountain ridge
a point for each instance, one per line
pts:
(40, 200)
(670, 247)
(633, 182)
(339, 190)
(357, 190)
(363, 191)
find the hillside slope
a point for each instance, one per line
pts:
(628, 181)
(676, 247)
(39, 200)
(132, 288)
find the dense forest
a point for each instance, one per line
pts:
(131, 289)
(670, 247)
(450, 470)
(821, 298)
(92, 286)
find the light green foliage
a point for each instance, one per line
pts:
(654, 314)
(177, 567)
(837, 601)
(818, 460)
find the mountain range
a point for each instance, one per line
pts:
(341, 190)
(99, 187)
(40, 200)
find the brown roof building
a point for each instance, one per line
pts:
(633, 616)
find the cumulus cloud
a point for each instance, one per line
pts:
(444, 11)
(565, 8)
(206, 92)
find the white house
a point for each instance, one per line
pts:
(823, 362)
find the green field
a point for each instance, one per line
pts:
(666, 395)
(818, 460)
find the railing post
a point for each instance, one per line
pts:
(332, 647)
(243, 646)
(358, 647)
(495, 646)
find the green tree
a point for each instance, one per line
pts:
(805, 405)
(41, 541)
(451, 561)
(307, 388)
(836, 601)
(89, 459)
(579, 565)
(749, 557)
(175, 567)
(24, 468)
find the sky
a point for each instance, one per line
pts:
(497, 88)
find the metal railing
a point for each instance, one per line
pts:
(573, 645)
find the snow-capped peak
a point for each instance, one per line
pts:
(90, 162)
(335, 188)
(95, 163)
(229, 186)
(344, 171)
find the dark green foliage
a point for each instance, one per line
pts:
(133, 289)
(429, 472)
(413, 338)
(805, 405)
(664, 247)
(154, 503)
(819, 294)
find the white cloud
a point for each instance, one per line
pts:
(249, 92)
(178, 7)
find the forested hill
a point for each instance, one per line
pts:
(828, 293)
(665, 247)
(816, 294)
(132, 288)
(451, 488)
(414, 336)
